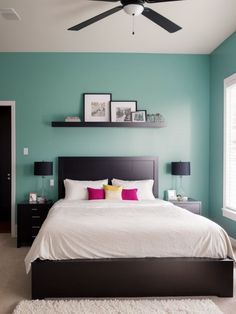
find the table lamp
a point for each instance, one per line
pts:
(43, 168)
(180, 168)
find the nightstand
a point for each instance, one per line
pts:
(30, 217)
(191, 205)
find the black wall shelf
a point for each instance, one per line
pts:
(62, 124)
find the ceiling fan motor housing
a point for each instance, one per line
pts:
(134, 8)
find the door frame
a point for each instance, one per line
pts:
(12, 104)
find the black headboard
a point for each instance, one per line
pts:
(97, 168)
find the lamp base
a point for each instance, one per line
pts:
(181, 198)
(180, 191)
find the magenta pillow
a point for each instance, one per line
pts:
(129, 194)
(96, 194)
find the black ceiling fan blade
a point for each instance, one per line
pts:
(159, 1)
(95, 19)
(160, 20)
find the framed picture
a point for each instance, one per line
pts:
(171, 195)
(97, 107)
(121, 110)
(32, 197)
(139, 116)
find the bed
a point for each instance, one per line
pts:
(130, 276)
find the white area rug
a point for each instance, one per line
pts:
(113, 306)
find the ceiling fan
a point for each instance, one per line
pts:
(134, 8)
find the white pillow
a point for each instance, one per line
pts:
(77, 190)
(144, 187)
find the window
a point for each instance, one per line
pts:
(230, 146)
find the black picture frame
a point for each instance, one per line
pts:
(142, 113)
(102, 113)
(119, 110)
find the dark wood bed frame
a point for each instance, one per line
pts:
(127, 277)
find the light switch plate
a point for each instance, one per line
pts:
(26, 151)
(51, 182)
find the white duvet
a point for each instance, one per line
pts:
(122, 229)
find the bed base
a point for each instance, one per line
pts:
(132, 277)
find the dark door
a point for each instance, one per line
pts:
(5, 169)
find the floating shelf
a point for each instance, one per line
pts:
(62, 124)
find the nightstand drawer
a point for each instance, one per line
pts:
(35, 230)
(35, 210)
(36, 221)
(192, 205)
(36, 217)
(194, 208)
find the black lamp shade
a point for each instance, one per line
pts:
(180, 168)
(43, 168)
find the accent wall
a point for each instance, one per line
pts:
(49, 86)
(223, 64)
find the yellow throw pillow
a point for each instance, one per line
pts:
(112, 192)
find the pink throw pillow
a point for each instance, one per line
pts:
(129, 194)
(96, 194)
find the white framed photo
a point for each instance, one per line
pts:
(32, 197)
(171, 195)
(121, 110)
(139, 116)
(97, 107)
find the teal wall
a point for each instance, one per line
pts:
(49, 86)
(222, 65)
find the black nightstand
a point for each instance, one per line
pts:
(30, 217)
(191, 205)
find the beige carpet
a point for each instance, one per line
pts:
(112, 306)
(15, 284)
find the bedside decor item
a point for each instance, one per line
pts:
(171, 195)
(32, 197)
(180, 169)
(121, 110)
(41, 199)
(43, 168)
(97, 107)
(139, 116)
(194, 206)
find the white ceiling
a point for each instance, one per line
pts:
(44, 23)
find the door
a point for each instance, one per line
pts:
(5, 169)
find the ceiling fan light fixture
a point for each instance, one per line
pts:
(133, 9)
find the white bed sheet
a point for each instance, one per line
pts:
(123, 229)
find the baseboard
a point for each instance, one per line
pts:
(233, 242)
